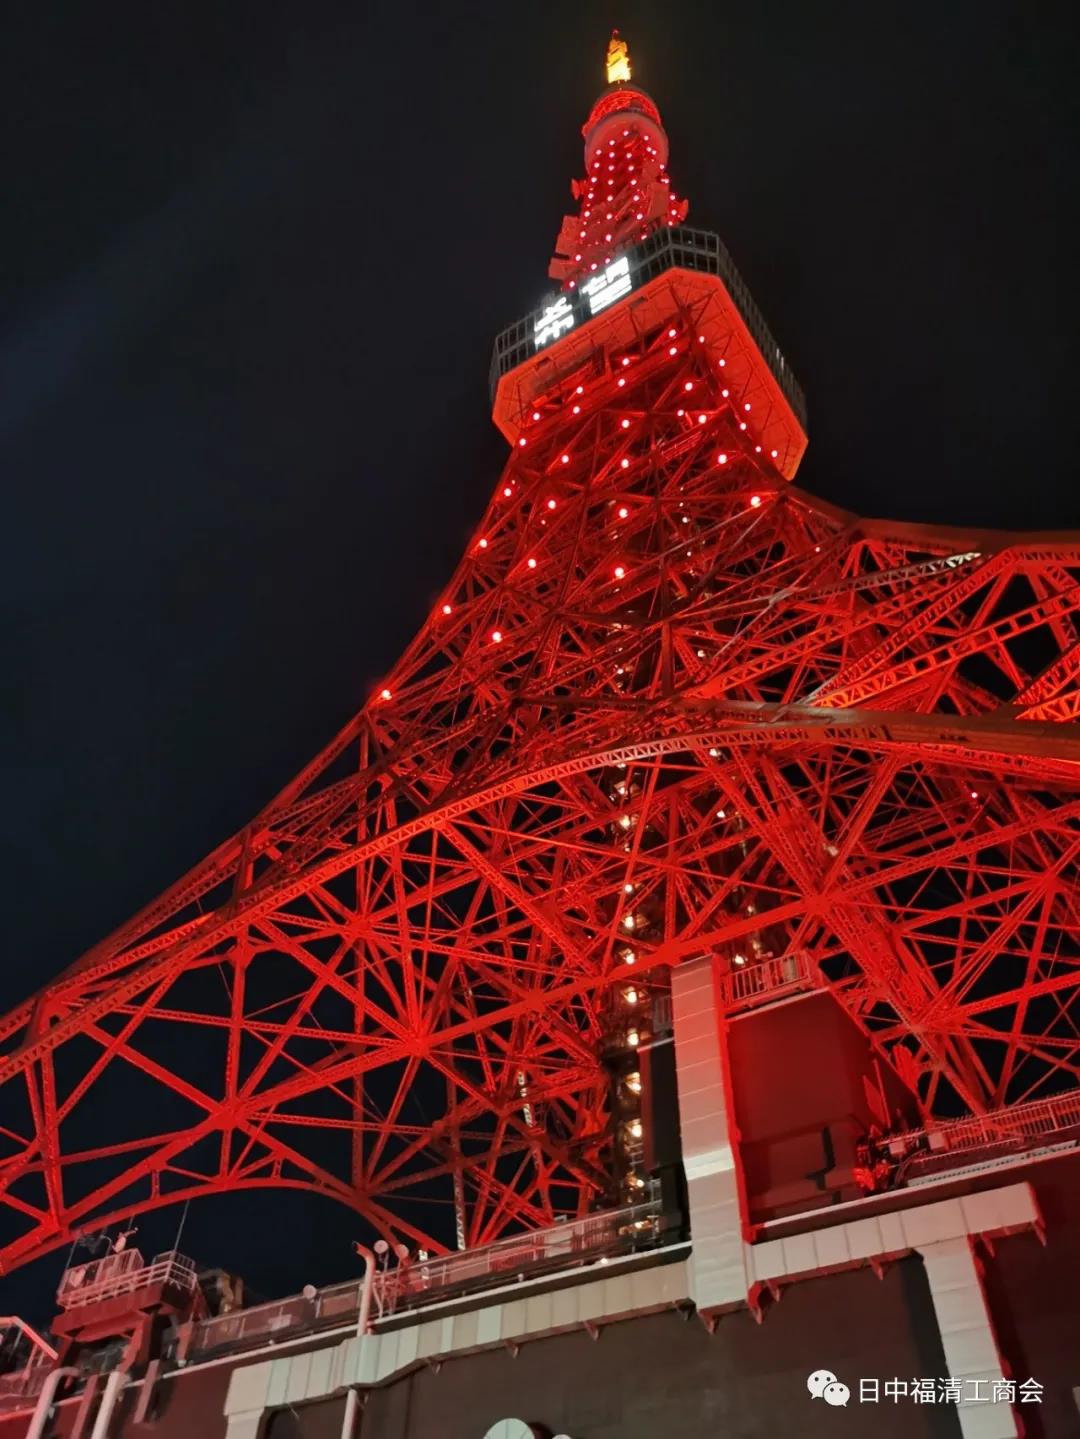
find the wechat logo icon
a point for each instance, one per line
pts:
(823, 1384)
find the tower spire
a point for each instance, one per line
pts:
(618, 59)
(626, 193)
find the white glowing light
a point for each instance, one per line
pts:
(554, 321)
(608, 286)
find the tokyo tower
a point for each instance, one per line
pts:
(668, 707)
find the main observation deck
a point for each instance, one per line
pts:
(681, 267)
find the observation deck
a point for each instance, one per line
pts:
(680, 268)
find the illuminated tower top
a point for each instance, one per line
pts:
(626, 193)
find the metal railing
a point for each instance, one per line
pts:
(521, 1256)
(1036, 1120)
(667, 249)
(23, 1385)
(123, 1273)
(765, 979)
(413, 1285)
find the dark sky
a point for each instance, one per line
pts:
(252, 262)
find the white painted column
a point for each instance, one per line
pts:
(718, 1277)
(967, 1335)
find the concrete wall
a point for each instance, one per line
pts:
(1034, 1299)
(666, 1377)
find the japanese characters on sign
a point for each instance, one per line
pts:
(596, 294)
(609, 285)
(553, 322)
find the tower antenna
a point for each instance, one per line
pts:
(618, 59)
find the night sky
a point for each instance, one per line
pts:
(252, 263)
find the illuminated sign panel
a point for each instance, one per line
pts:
(596, 294)
(553, 322)
(608, 286)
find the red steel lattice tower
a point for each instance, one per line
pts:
(668, 705)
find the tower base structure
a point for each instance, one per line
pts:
(943, 1302)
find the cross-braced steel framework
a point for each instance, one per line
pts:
(667, 705)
